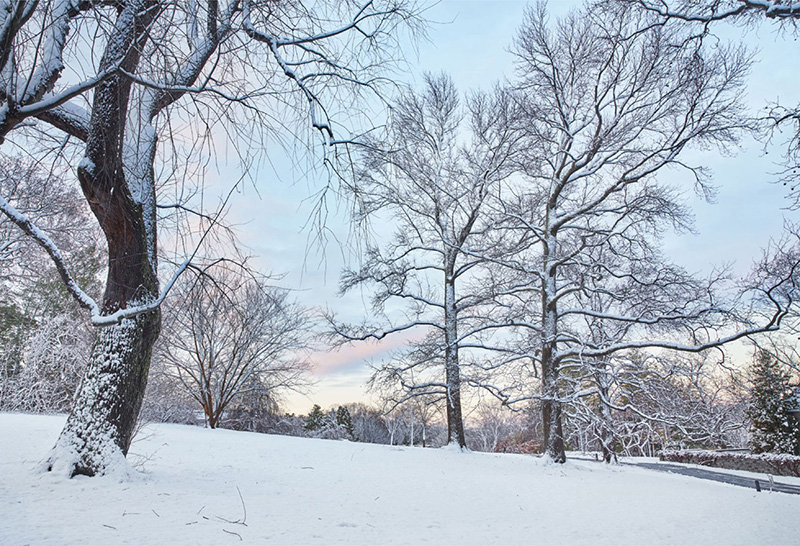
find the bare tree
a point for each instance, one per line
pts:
(229, 337)
(435, 186)
(612, 97)
(166, 400)
(646, 402)
(493, 427)
(368, 424)
(57, 209)
(55, 356)
(163, 66)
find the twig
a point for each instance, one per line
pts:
(243, 519)
(232, 533)
(244, 508)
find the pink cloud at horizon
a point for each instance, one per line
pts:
(331, 361)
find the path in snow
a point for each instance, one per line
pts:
(723, 477)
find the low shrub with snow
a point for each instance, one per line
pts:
(766, 463)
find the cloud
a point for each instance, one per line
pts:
(355, 355)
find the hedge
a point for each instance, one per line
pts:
(763, 463)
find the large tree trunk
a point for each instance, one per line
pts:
(551, 408)
(100, 427)
(455, 421)
(551, 405)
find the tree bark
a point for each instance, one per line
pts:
(100, 427)
(551, 406)
(455, 421)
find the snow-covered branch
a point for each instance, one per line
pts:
(49, 246)
(718, 10)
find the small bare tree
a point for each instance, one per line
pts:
(230, 337)
(493, 426)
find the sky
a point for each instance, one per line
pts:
(469, 41)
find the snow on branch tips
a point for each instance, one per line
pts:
(317, 55)
(711, 11)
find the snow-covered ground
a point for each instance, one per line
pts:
(222, 487)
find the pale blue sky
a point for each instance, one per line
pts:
(469, 40)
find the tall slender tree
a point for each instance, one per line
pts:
(436, 184)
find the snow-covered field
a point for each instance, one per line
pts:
(222, 487)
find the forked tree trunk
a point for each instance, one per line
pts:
(100, 427)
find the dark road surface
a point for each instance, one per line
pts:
(720, 477)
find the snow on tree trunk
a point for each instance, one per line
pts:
(606, 435)
(100, 427)
(551, 406)
(455, 421)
